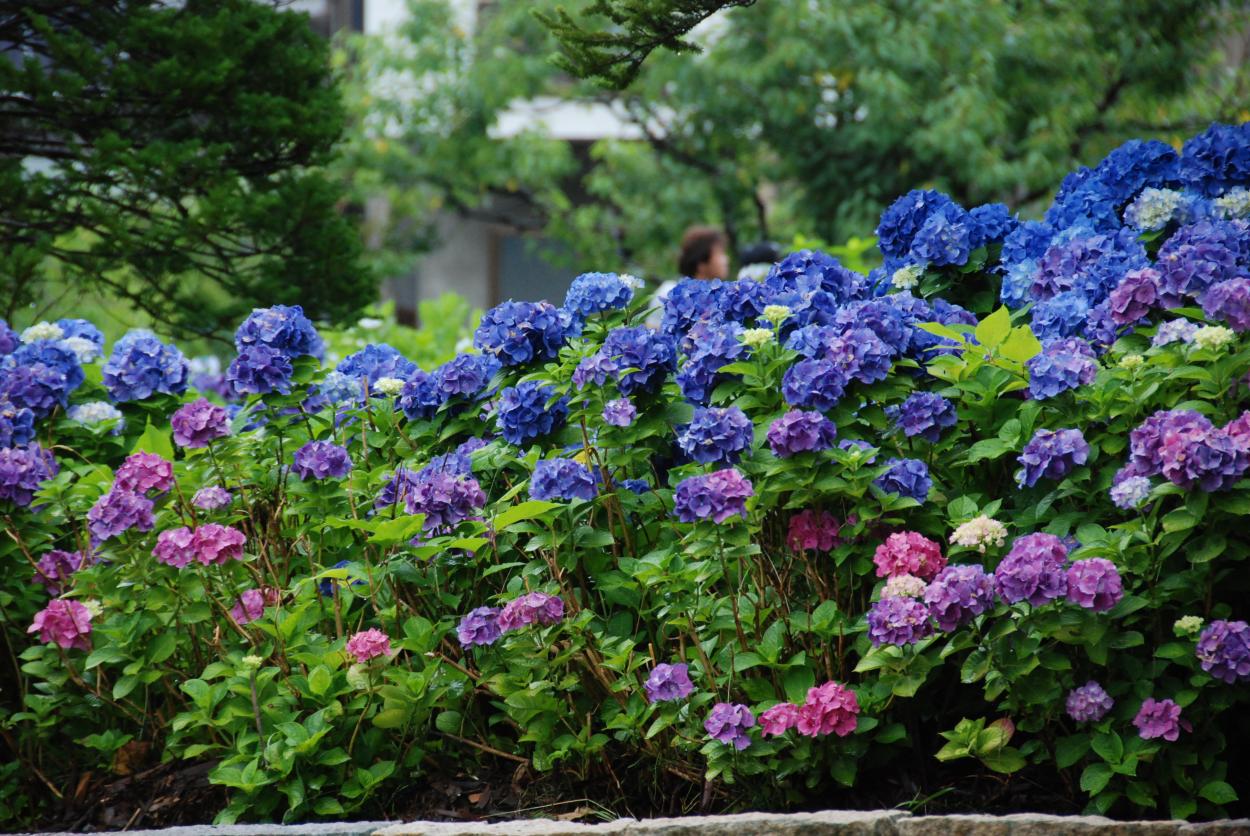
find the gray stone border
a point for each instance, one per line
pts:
(827, 823)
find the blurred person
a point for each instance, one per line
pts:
(757, 260)
(704, 255)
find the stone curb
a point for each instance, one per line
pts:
(826, 823)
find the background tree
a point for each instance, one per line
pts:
(796, 117)
(169, 154)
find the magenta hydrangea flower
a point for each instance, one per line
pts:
(199, 422)
(1089, 703)
(800, 432)
(64, 621)
(1094, 584)
(812, 530)
(668, 682)
(779, 719)
(56, 567)
(909, 553)
(368, 644)
(1208, 459)
(215, 544)
(619, 413)
(175, 547)
(144, 472)
(1146, 440)
(1158, 718)
(1052, 454)
(728, 723)
(119, 511)
(23, 470)
(211, 498)
(533, 608)
(480, 627)
(322, 460)
(715, 496)
(1033, 570)
(1224, 650)
(830, 709)
(898, 621)
(252, 602)
(958, 594)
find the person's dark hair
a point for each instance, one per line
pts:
(696, 247)
(763, 252)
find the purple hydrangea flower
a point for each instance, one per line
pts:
(591, 293)
(924, 414)
(466, 375)
(480, 627)
(882, 317)
(1158, 718)
(523, 414)
(39, 388)
(1062, 365)
(144, 472)
(1229, 302)
(1224, 650)
(9, 340)
(619, 413)
(523, 332)
(859, 354)
(690, 302)
(597, 369)
(906, 477)
(282, 328)
(55, 365)
(564, 479)
(1094, 584)
(714, 496)
(898, 621)
(815, 384)
(117, 512)
(211, 498)
(800, 432)
(1130, 492)
(648, 356)
(1064, 315)
(1146, 440)
(1176, 330)
(728, 723)
(318, 460)
(56, 567)
(958, 594)
(1052, 454)
(1089, 703)
(532, 608)
(140, 366)
(1198, 256)
(1135, 295)
(199, 422)
(446, 499)
(1033, 570)
(716, 435)
(421, 396)
(259, 370)
(1209, 459)
(668, 682)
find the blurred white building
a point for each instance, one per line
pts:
(486, 261)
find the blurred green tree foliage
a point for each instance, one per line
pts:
(796, 118)
(169, 154)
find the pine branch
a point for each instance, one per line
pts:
(614, 53)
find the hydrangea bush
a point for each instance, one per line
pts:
(985, 505)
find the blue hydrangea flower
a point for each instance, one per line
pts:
(523, 415)
(82, 331)
(523, 332)
(906, 477)
(991, 224)
(903, 219)
(260, 370)
(591, 293)
(17, 424)
(1062, 365)
(466, 375)
(859, 354)
(712, 347)
(812, 341)
(1052, 454)
(1217, 159)
(924, 414)
(40, 376)
(1060, 316)
(9, 339)
(1199, 255)
(1091, 264)
(802, 275)
(716, 435)
(882, 317)
(421, 396)
(283, 328)
(814, 384)
(376, 361)
(563, 479)
(688, 302)
(945, 237)
(141, 365)
(338, 388)
(647, 354)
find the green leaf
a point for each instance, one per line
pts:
(319, 680)
(1069, 750)
(449, 721)
(1006, 760)
(774, 637)
(1109, 747)
(399, 530)
(163, 647)
(124, 686)
(991, 331)
(527, 510)
(155, 441)
(1218, 792)
(1095, 778)
(391, 718)
(1020, 345)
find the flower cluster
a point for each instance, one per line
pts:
(64, 621)
(563, 479)
(1033, 570)
(1089, 703)
(141, 366)
(368, 644)
(318, 460)
(958, 594)
(909, 553)
(591, 293)
(117, 512)
(523, 414)
(715, 496)
(199, 422)
(22, 471)
(480, 627)
(1224, 650)
(906, 477)
(800, 432)
(1062, 365)
(728, 723)
(830, 708)
(1158, 718)
(1052, 454)
(716, 435)
(812, 530)
(980, 533)
(898, 621)
(619, 413)
(524, 332)
(532, 608)
(924, 414)
(56, 567)
(1188, 450)
(210, 544)
(143, 473)
(1094, 584)
(668, 682)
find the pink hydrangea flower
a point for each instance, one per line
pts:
(175, 547)
(143, 472)
(528, 609)
(218, 543)
(251, 604)
(830, 708)
(909, 553)
(779, 719)
(812, 530)
(369, 644)
(64, 621)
